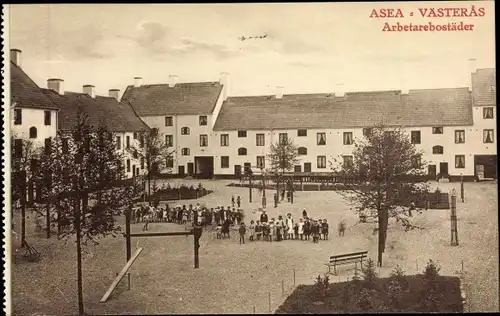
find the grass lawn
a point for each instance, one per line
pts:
(236, 278)
(342, 299)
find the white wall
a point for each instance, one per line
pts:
(36, 118)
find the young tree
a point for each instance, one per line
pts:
(154, 152)
(385, 173)
(84, 167)
(282, 157)
(24, 163)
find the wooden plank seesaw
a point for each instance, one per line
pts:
(120, 276)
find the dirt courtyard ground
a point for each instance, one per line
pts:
(236, 278)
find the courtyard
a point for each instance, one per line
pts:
(235, 278)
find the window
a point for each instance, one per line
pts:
(48, 145)
(33, 132)
(128, 165)
(321, 139)
(185, 151)
(302, 151)
(367, 131)
(260, 138)
(169, 163)
(18, 116)
(185, 131)
(242, 133)
(488, 113)
(128, 142)
(224, 139)
(416, 161)
(242, 151)
(118, 142)
(415, 137)
(302, 132)
(321, 162)
(224, 161)
(460, 161)
(297, 168)
(437, 130)
(459, 136)
(135, 135)
(18, 147)
(203, 140)
(488, 136)
(169, 140)
(169, 121)
(437, 150)
(47, 118)
(348, 161)
(65, 146)
(283, 138)
(261, 161)
(348, 138)
(203, 120)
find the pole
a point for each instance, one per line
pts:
(127, 232)
(47, 215)
(453, 219)
(462, 187)
(197, 231)
(293, 277)
(250, 188)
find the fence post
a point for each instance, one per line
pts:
(294, 275)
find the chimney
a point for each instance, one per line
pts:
(137, 81)
(224, 81)
(339, 90)
(115, 93)
(472, 63)
(56, 85)
(15, 56)
(90, 90)
(172, 80)
(279, 92)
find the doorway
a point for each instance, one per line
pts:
(181, 171)
(431, 171)
(237, 170)
(190, 168)
(443, 169)
(489, 163)
(307, 167)
(204, 167)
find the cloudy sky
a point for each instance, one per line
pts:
(308, 48)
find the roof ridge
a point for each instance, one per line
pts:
(177, 84)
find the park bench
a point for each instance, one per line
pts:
(337, 260)
(31, 253)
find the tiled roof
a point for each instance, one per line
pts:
(182, 99)
(443, 107)
(25, 92)
(484, 87)
(116, 116)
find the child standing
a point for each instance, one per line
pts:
(238, 201)
(242, 230)
(307, 227)
(296, 230)
(301, 229)
(315, 231)
(146, 222)
(232, 201)
(325, 229)
(251, 228)
(258, 230)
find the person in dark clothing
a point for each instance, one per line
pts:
(242, 230)
(238, 201)
(263, 217)
(282, 194)
(304, 213)
(275, 200)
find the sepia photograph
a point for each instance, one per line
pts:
(253, 158)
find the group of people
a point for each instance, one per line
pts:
(281, 229)
(188, 214)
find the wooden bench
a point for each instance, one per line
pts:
(346, 258)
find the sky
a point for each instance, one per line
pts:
(309, 48)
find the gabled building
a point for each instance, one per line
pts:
(34, 115)
(185, 114)
(119, 118)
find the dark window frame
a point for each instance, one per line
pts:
(319, 139)
(437, 150)
(302, 151)
(224, 159)
(47, 118)
(347, 140)
(224, 140)
(263, 159)
(459, 140)
(487, 111)
(488, 132)
(437, 130)
(18, 116)
(33, 132)
(203, 140)
(258, 137)
(203, 120)
(242, 134)
(185, 151)
(169, 121)
(302, 133)
(185, 130)
(242, 151)
(416, 140)
(458, 160)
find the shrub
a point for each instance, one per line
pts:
(431, 272)
(399, 275)
(369, 274)
(364, 300)
(321, 286)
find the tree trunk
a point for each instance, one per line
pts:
(47, 215)
(23, 223)
(381, 240)
(79, 260)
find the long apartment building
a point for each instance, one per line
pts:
(38, 113)
(217, 135)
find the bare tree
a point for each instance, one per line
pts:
(24, 163)
(84, 168)
(384, 173)
(155, 153)
(283, 157)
